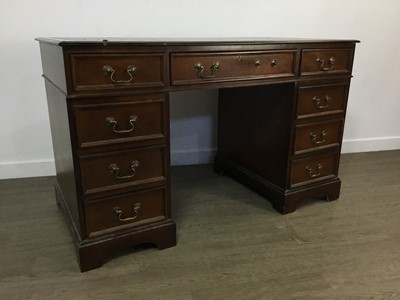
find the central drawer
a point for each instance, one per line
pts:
(193, 68)
(131, 169)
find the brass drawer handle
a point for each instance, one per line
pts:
(322, 140)
(112, 122)
(200, 69)
(114, 169)
(109, 71)
(273, 63)
(321, 63)
(310, 171)
(118, 212)
(321, 104)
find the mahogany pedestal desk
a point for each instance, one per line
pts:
(281, 113)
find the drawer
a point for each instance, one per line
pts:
(121, 120)
(192, 68)
(326, 61)
(321, 100)
(313, 169)
(106, 71)
(132, 169)
(125, 211)
(315, 136)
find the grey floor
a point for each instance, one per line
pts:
(231, 243)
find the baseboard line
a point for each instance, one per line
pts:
(371, 144)
(46, 167)
(192, 157)
(29, 168)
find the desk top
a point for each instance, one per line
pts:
(69, 41)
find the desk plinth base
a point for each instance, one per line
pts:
(283, 200)
(91, 252)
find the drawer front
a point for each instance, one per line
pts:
(326, 61)
(128, 210)
(120, 121)
(312, 169)
(317, 136)
(123, 169)
(116, 71)
(321, 100)
(193, 68)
